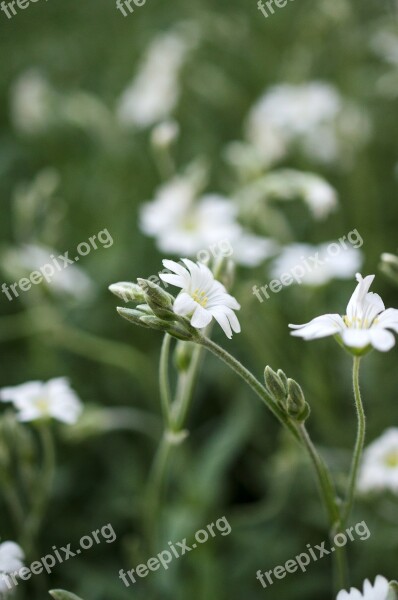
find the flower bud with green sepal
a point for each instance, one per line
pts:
(275, 386)
(297, 408)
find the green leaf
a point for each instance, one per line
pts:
(63, 595)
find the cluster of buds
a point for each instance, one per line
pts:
(287, 394)
(154, 308)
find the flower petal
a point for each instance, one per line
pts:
(319, 327)
(223, 321)
(388, 319)
(356, 338)
(184, 305)
(201, 317)
(355, 305)
(176, 280)
(381, 339)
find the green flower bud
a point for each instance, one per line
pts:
(274, 385)
(153, 322)
(129, 292)
(134, 316)
(393, 593)
(182, 332)
(296, 406)
(155, 294)
(283, 378)
(62, 595)
(160, 301)
(183, 356)
(224, 271)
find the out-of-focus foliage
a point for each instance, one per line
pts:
(70, 168)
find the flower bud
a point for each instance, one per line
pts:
(274, 385)
(389, 265)
(182, 332)
(183, 356)
(127, 291)
(134, 316)
(161, 302)
(283, 378)
(296, 406)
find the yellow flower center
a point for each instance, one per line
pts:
(200, 298)
(358, 323)
(391, 459)
(42, 404)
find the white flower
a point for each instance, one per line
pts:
(379, 591)
(312, 116)
(155, 90)
(71, 280)
(201, 297)
(365, 324)
(183, 224)
(31, 99)
(37, 400)
(318, 265)
(11, 560)
(379, 469)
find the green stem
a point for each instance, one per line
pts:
(328, 497)
(328, 494)
(164, 382)
(255, 385)
(35, 518)
(173, 435)
(185, 389)
(360, 440)
(327, 490)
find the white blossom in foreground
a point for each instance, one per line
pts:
(365, 324)
(185, 224)
(154, 92)
(312, 116)
(202, 298)
(37, 400)
(11, 560)
(378, 591)
(318, 266)
(379, 469)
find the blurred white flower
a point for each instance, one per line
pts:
(164, 134)
(289, 184)
(37, 400)
(154, 92)
(183, 224)
(379, 469)
(72, 280)
(202, 298)
(322, 268)
(31, 98)
(312, 116)
(11, 560)
(378, 591)
(365, 324)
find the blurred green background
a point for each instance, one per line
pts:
(235, 462)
